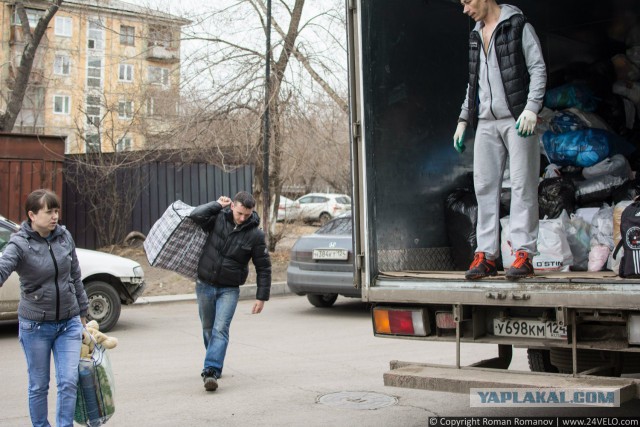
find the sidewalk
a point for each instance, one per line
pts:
(247, 291)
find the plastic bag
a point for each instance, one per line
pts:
(565, 121)
(571, 95)
(578, 236)
(554, 253)
(615, 165)
(627, 191)
(597, 190)
(461, 213)
(602, 228)
(96, 387)
(598, 257)
(584, 147)
(555, 195)
(614, 261)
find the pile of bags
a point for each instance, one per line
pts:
(588, 133)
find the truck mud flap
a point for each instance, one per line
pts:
(461, 380)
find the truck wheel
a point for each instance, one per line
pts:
(324, 218)
(540, 360)
(104, 304)
(322, 301)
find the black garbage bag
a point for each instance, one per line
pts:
(555, 195)
(461, 216)
(627, 191)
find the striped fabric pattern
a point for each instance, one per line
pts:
(175, 242)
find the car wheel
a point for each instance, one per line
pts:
(324, 218)
(104, 304)
(322, 301)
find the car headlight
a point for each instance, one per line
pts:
(138, 272)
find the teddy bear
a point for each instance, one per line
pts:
(88, 344)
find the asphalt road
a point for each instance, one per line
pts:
(283, 368)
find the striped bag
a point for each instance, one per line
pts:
(175, 242)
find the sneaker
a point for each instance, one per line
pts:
(481, 267)
(210, 379)
(521, 267)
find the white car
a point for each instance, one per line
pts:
(288, 209)
(109, 281)
(323, 206)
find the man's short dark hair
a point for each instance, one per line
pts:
(245, 199)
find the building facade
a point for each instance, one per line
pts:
(106, 74)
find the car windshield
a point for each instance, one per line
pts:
(337, 226)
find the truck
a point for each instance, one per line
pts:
(408, 71)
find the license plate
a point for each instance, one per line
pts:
(336, 254)
(529, 329)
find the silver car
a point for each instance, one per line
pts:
(321, 265)
(109, 281)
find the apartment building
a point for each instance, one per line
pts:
(106, 75)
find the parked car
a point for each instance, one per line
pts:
(323, 206)
(109, 281)
(321, 265)
(288, 209)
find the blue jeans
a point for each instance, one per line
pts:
(39, 340)
(216, 306)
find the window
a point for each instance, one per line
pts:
(61, 104)
(93, 110)
(95, 36)
(158, 76)
(124, 144)
(336, 227)
(92, 143)
(94, 72)
(62, 65)
(63, 26)
(33, 15)
(127, 35)
(159, 36)
(125, 109)
(125, 74)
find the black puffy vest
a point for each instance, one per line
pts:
(512, 64)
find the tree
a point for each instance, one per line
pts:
(304, 70)
(32, 41)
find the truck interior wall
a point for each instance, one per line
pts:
(415, 56)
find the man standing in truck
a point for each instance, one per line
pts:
(507, 78)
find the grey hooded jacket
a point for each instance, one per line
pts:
(51, 286)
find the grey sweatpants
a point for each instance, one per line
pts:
(495, 142)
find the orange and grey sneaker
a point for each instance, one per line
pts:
(481, 267)
(521, 267)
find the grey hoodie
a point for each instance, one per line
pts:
(51, 286)
(493, 103)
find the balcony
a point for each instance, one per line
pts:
(163, 54)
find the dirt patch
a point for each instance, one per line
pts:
(163, 282)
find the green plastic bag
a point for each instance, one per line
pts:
(95, 404)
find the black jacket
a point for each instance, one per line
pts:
(228, 249)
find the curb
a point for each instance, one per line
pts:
(246, 292)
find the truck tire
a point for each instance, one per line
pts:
(104, 304)
(540, 360)
(323, 300)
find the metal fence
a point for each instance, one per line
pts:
(163, 182)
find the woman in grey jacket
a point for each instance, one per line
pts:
(53, 304)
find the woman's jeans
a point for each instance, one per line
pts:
(216, 306)
(39, 340)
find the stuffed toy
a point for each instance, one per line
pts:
(88, 344)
